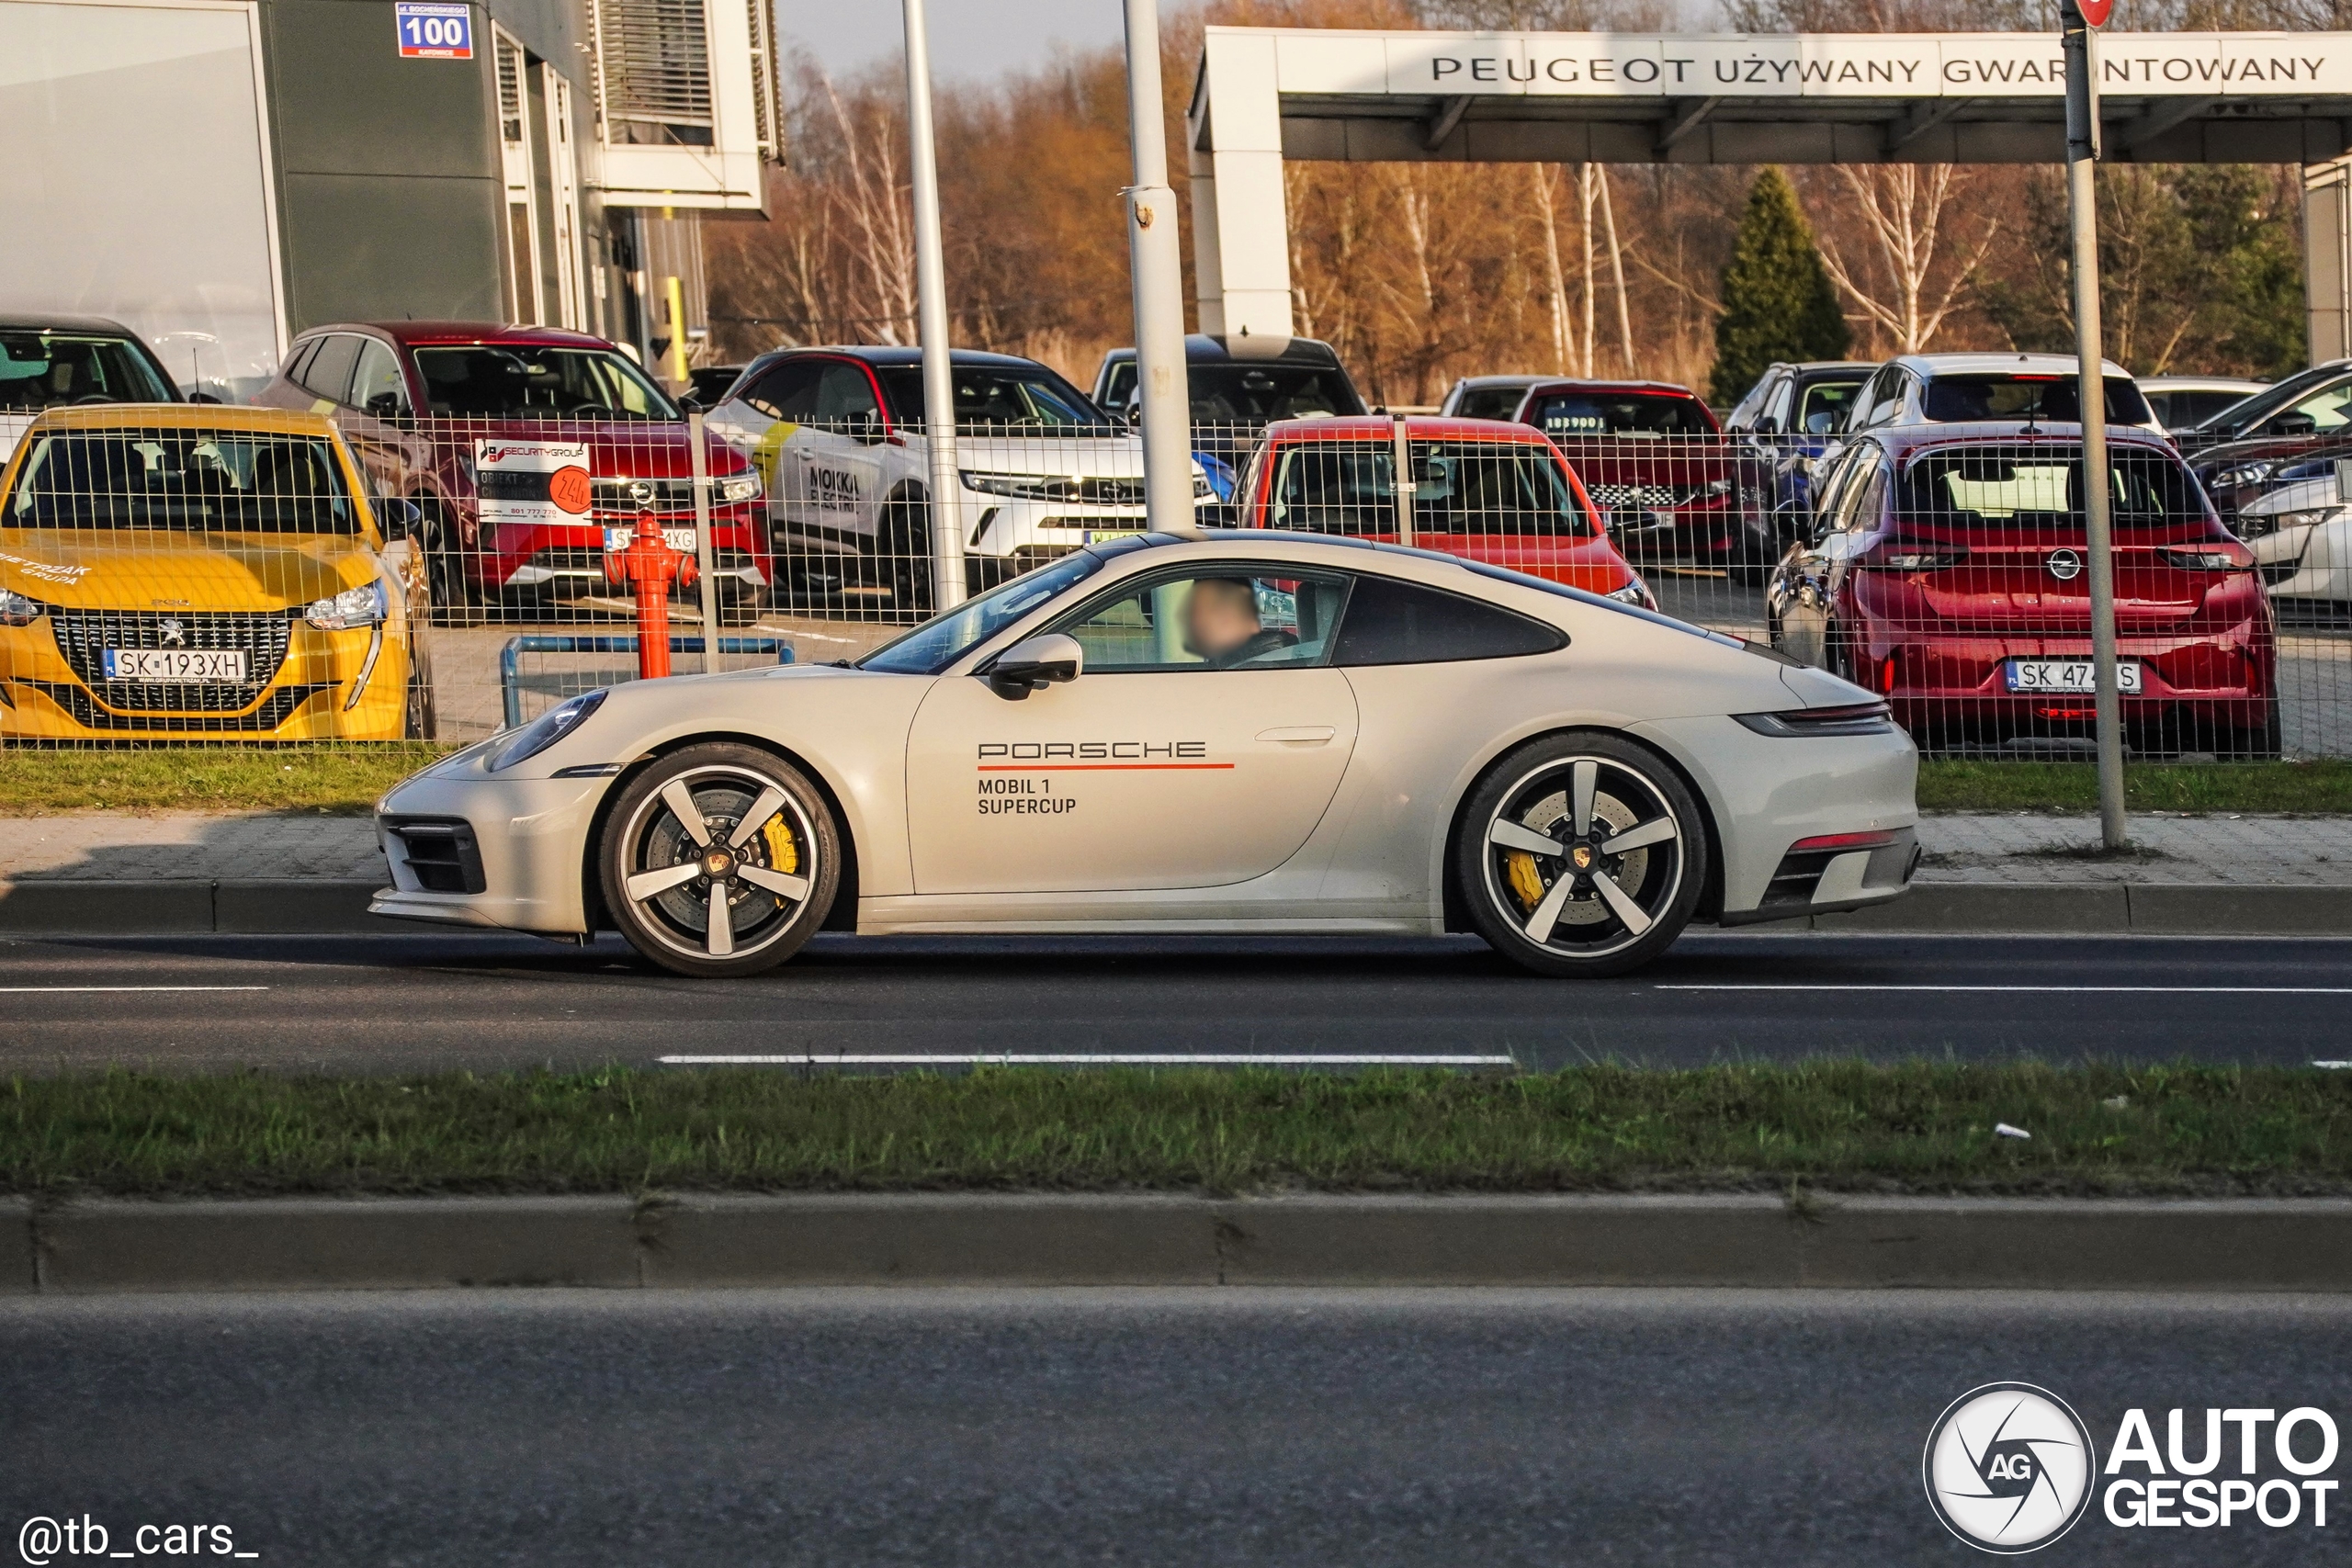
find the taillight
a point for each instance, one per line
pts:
(2229, 557)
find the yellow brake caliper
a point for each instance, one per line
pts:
(1519, 867)
(783, 850)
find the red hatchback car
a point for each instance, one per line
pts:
(1653, 458)
(1482, 489)
(1950, 574)
(414, 399)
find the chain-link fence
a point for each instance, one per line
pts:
(251, 574)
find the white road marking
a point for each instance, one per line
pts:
(2168, 990)
(2339, 1066)
(51, 990)
(1085, 1058)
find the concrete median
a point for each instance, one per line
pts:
(1736, 1240)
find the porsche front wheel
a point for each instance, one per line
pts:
(1581, 855)
(719, 860)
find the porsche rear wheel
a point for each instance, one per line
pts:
(1581, 854)
(719, 860)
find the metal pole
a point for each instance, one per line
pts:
(2082, 198)
(1162, 387)
(704, 563)
(930, 313)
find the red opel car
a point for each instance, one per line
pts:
(1652, 457)
(1951, 573)
(1482, 489)
(414, 397)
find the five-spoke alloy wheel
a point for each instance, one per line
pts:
(1581, 854)
(719, 860)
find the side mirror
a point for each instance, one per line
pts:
(387, 405)
(1134, 411)
(1033, 665)
(2293, 425)
(400, 519)
(1768, 426)
(690, 404)
(864, 426)
(202, 398)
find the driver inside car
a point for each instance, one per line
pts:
(1222, 625)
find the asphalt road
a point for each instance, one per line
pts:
(1042, 1427)
(432, 1002)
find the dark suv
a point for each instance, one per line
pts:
(1237, 388)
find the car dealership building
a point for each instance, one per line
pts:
(221, 175)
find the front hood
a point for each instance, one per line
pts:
(2304, 495)
(627, 449)
(138, 568)
(1085, 457)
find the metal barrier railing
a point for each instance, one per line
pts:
(509, 658)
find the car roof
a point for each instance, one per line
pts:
(26, 321)
(1811, 368)
(1380, 428)
(1933, 365)
(183, 416)
(413, 334)
(1905, 442)
(1500, 380)
(1200, 348)
(2200, 384)
(1572, 384)
(891, 353)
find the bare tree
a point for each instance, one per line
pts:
(875, 202)
(1904, 208)
(1617, 279)
(1564, 345)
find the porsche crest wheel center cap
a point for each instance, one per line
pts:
(717, 864)
(1581, 856)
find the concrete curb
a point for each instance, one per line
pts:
(1032, 1239)
(268, 905)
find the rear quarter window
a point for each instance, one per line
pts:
(1389, 622)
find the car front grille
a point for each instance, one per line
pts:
(666, 494)
(1112, 492)
(1613, 496)
(273, 711)
(83, 636)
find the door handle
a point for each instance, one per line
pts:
(1299, 735)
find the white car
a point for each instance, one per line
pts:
(2301, 534)
(1253, 731)
(49, 361)
(836, 435)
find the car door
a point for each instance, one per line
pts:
(1799, 598)
(764, 420)
(1191, 751)
(375, 419)
(833, 464)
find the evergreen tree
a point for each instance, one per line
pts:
(1777, 300)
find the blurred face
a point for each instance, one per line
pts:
(1220, 616)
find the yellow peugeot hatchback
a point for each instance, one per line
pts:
(178, 572)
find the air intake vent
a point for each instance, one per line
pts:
(654, 57)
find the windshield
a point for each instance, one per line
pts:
(942, 640)
(1960, 399)
(1459, 487)
(1823, 410)
(224, 480)
(1641, 415)
(1259, 394)
(1490, 402)
(1965, 490)
(2244, 415)
(526, 381)
(990, 399)
(39, 370)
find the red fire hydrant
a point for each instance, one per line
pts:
(649, 563)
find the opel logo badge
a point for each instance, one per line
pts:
(640, 492)
(2066, 565)
(171, 634)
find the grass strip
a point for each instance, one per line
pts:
(2313, 787)
(1834, 1125)
(336, 781)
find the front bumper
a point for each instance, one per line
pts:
(529, 850)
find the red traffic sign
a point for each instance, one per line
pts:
(2095, 12)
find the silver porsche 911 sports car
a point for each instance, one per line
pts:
(1248, 732)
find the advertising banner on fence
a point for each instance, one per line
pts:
(538, 482)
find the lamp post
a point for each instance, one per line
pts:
(2082, 201)
(1162, 385)
(931, 324)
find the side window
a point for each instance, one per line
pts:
(1876, 405)
(2329, 409)
(787, 392)
(1829, 493)
(1229, 619)
(377, 387)
(1776, 407)
(1865, 497)
(1335, 487)
(1390, 622)
(329, 371)
(845, 400)
(298, 363)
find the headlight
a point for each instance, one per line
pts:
(2243, 474)
(547, 730)
(1718, 487)
(362, 606)
(1635, 592)
(738, 487)
(1022, 487)
(15, 610)
(1862, 719)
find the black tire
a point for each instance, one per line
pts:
(448, 590)
(2265, 742)
(1620, 910)
(422, 721)
(648, 840)
(905, 567)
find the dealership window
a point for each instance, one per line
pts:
(1390, 622)
(1230, 618)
